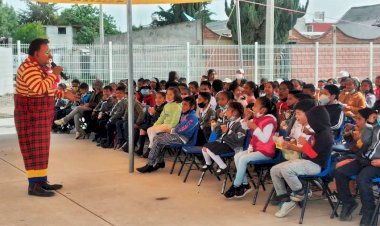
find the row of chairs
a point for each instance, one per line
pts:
(191, 153)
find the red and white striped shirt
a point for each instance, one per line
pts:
(33, 81)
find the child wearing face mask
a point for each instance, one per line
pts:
(223, 98)
(262, 147)
(205, 115)
(147, 96)
(329, 99)
(169, 117)
(232, 137)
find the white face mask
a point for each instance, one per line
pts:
(324, 100)
(239, 76)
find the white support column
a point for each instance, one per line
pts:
(316, 73)
(18, 53)
(101, 25)
(110, 62)
(188, 62)
(334, 51)
(269, 40)
(240, 42)
(131, 92)
(256, 62)
(371, 61)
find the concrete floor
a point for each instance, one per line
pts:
(98, 190)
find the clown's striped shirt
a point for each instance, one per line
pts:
(33, 81)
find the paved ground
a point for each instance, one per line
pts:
(98, 190)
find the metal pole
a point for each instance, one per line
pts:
(269, 40)
(334, 51)
(316, 63)
(131, 93)
(256, 62)
(240, 43)
(188, 62)
(18, 52)
(371, 61)
(101, 25)
(110, 63)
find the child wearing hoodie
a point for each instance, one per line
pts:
(314, 158)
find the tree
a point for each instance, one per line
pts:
(43, 12)
(252, 18)
(86, 17)
(8, 21)
(176, 14)
(26, 33)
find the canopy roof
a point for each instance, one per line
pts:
(121, 1)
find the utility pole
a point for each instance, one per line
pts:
(269, 40)
(101, 25)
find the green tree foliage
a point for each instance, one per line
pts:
(26, 33)
(43, 12)
(86, 18)
(8, 21)
(252, 18)
(176, 14)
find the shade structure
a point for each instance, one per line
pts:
(120, 1)
(130, 53)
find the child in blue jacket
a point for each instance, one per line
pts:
(181, 134)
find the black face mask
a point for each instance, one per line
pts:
(201, 105)
(342, 87)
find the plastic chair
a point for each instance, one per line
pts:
(228, 157)
(192, 152)
(308, 179)
(262, 168)
(178, 147)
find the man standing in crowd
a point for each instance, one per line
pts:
(34, 113)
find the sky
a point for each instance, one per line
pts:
(334, 10)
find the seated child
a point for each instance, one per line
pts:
(366, 166)
(232, 138)
(261, 147)
(314, 158)
(181, 134)
(169, 117)
(205, 115)
(150, 117)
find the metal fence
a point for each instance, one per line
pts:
(306, 62)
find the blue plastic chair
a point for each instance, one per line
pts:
(178, 147)
(228, 157)
(308, 179)
(262, 168)
(191, 152)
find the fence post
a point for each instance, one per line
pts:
(18, 53)
(188, 62)
(110, 66)
(371, 61)
(256, 62)
(316, 63)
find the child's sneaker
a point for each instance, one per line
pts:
(299, 196)
(230, 193)
(242, 190)
(285, 209)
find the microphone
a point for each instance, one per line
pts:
(63, 75)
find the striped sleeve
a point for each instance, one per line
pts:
(34, 81)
